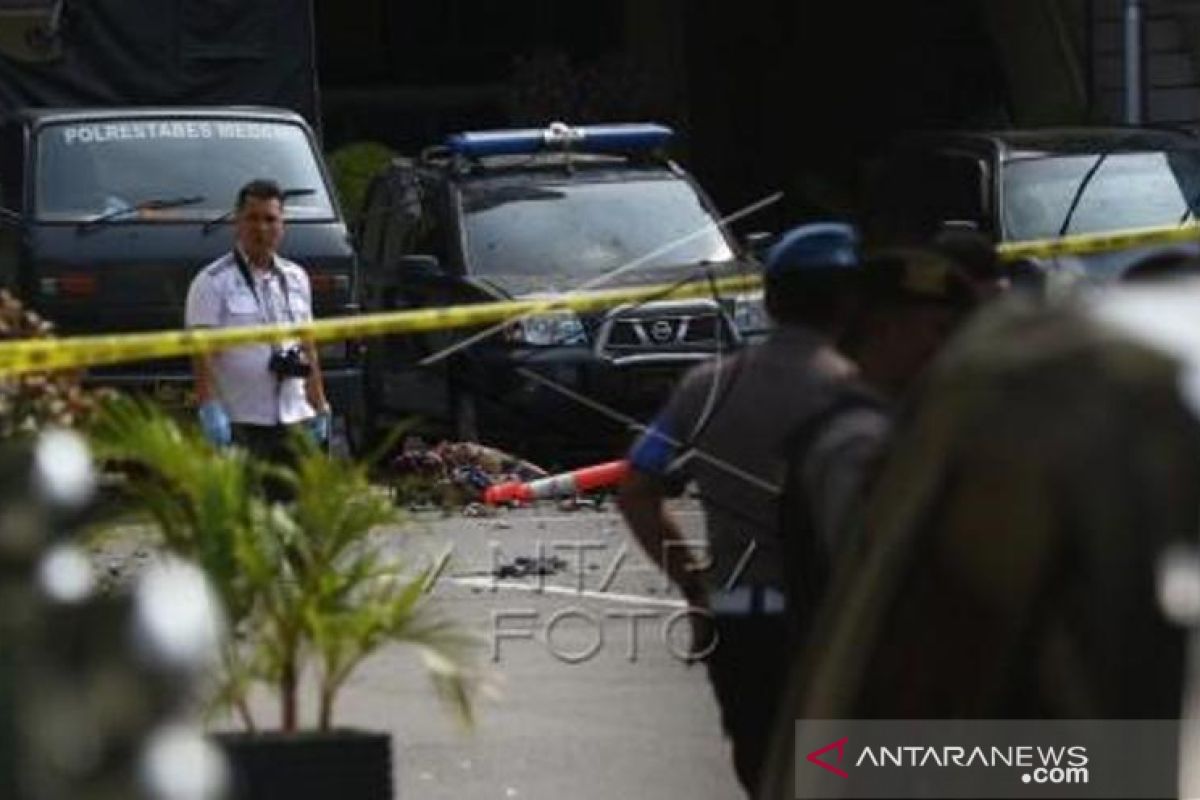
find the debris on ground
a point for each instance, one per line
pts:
(595, 502)
(525, 566)
(454, 474)
(477, 510)
(116, 565)
(476, 480)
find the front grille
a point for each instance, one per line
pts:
(693, 330)
(664, 331)
(624, 333)
(704, 330)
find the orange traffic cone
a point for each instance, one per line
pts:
(568, 483)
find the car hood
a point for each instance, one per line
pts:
(526, 286)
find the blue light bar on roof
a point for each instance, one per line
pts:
(618, 138)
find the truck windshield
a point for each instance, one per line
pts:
(89, 169)
(583, 228)
(1129, 190)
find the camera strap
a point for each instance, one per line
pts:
(247, 276)
(244, 270)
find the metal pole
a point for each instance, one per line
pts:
(1133, 62)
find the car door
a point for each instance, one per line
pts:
(392, 229)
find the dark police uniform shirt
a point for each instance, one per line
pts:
(724, 428)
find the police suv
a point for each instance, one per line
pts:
(509, 214)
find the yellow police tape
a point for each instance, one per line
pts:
(1093, 243)
(37, 355)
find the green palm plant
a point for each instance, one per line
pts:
(305, 584)
(204, 508)
(360, 598)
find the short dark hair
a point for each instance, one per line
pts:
(972, 251)
(816, 301)
(260, 189)
(914, 275)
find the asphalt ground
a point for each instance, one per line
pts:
(579, 710)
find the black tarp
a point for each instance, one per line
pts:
(172, 52)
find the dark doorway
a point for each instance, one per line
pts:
(768, 94)
(792, 96)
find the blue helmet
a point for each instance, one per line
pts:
(814, 249)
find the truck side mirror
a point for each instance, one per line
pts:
(10, 218)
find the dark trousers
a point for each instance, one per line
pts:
(272, 444)
(747, 670)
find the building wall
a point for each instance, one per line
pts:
(1040, 46)
(769, 95)
(406, 73)
(1171, 45)
(794, 96)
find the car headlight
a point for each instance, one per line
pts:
(750, 313)
(550, 329)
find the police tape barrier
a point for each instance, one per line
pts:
(1093, 243)
(37, 355)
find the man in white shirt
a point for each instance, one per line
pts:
(256, 395)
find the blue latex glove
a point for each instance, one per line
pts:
(214, 422)
(320, 425)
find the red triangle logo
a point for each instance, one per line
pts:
(840, 745)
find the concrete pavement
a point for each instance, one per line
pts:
(607, 727)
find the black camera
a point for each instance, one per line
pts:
(289, 363)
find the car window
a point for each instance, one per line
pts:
(89, 168)
(1128, 190)
(954, 186)
(584, 228)
(12, 166)
(403, 219)
(911, 197)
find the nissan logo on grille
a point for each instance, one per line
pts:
(662, 331)
(691, 329)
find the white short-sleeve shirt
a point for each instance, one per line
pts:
(220, 298)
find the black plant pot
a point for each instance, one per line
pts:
(310, 765)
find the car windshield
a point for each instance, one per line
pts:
(584, 228)
(1129, 190)
(89, 169)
